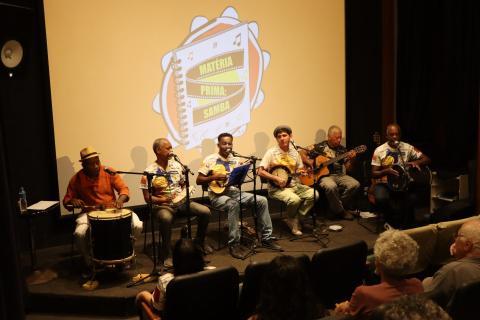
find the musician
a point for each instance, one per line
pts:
(92, 188)
(397, 206)
(168, 183)
(338, 179)
(298, 198)
(229, 200)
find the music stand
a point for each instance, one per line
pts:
(237, 178)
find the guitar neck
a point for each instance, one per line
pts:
(340, 157)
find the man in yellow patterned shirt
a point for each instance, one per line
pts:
(298, 198)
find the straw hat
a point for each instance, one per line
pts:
(87, 153)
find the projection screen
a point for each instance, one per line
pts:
(124, 73)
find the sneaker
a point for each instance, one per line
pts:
(270, 244)
(294, 227)
(236, 251)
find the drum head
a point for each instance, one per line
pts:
(109, 214)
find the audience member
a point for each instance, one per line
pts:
(466, 249)
(285, 292)
(187, 258)
(413, 307)
(396, 254)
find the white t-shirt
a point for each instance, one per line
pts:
(386, 156)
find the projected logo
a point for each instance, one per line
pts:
(212, 81)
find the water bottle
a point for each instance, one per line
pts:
(22, 200)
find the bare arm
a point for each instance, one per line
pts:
(378, 172)
(422, 161)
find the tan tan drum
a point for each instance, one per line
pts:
(111, 236)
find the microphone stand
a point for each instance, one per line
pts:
(186, 172)
(154, 271)
(319, 236)
(252, 250)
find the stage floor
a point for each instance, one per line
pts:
(113, 298)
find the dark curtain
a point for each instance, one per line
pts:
(12, 284)
(438, 78)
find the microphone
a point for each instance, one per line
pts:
(174, 156)
(235, 154)
(110, 171)
(396, 144)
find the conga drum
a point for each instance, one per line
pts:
(111, 236)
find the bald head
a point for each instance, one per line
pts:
(467, 240)
(471, 231)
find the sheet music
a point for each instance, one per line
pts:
(42, 205)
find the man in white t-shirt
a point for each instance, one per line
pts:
(396, 205)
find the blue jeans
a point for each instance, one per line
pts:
(230, 202)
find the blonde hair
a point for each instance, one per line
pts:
(396, 252)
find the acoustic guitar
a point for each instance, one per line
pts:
(322, 163)
(217, 186)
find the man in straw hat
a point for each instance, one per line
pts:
(93, 188)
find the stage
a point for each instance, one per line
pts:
(65, 295)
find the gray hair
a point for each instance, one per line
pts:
(333, 129)
(157, 143)
(396, 252)
(471, 231)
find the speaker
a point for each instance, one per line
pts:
(11, 54)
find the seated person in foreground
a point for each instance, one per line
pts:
(466, 249)
(187, 258)
(396, 254)
(413, 307)
(285, 292)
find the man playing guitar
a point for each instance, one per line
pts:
(168, 184)
(397, 205)
(298, 198)
(337, 178)
(229, 197)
